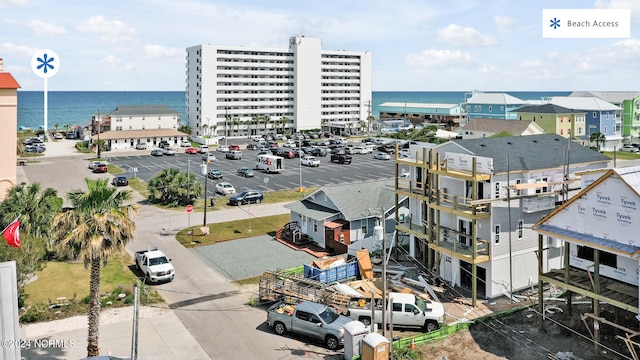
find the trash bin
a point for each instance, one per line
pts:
(375, 347)
(354, 332)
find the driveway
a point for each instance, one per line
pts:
(251, 257)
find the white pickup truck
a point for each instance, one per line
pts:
(403, 310)
(155, 265)
(310, 161)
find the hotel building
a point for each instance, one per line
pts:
(238, 91)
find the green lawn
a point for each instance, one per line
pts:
(232, 230)
(60, 279)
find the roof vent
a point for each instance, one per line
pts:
(535, 141)
(483, 145)
(556, 139)
(509, 143)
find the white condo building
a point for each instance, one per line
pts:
(231, 90)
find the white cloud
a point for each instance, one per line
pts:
(633, 5)
(9, 3)
(439, 58)
(41, 28)
(110, 31)
(504, 24)
(159, 51)
(464, 36)
(117, 63)
(18, 50)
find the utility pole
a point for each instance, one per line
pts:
(384, 274)
(98, 143)
(136, 313)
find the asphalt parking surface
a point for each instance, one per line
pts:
(362, 168)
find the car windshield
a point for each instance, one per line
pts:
(226, 185)
(329, 316)
(158, 261)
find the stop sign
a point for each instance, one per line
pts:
(189, 208)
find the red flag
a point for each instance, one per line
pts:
(12, 233)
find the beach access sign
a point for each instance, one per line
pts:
(586, 23)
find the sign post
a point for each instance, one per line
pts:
(189, 210)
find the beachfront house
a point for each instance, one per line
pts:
(482, 128)
(129, 125)
(472, 204)
(342, 218)
(491, 105)
(601, 116)
(9, 115)
(597, 233)
(628, 101)
(449, 116)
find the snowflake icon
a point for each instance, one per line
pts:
(555, 23)
(45, 63)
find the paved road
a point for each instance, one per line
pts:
(214, 311)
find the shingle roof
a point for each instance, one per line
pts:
(515, 127)
(544, 109)
(355, 199)
(533, 152)
(151, 109)
(7, 81)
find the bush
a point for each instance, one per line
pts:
(35, 313)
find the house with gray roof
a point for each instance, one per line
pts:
(601, 116)
(555, 119)
(472, 204)
(629, 101)
(482, 128)
(491, 105)
(342, 218)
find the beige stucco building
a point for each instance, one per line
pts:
(9, 119)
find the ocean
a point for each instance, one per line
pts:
(77, 107)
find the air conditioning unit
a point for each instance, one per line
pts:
(555, 243)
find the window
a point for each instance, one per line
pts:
(409, 308)
(561, 131)
(595, 114)
(397, 306)
(606, 258)
(364, 229)
(315, 225)
(543, 189)
(496, 234)
(520, 228)
(496, 190)
(490, 108)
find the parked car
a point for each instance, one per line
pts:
(246, 197)
(185, 143)
(157, 152)
(141, 146)
(203, 149)
(102, 168)
(191, 150)
(245, 171)
(120, 181)
(319, 152)
(310, 161)
(629, 148)
(93, 164)
(210, 156)
(169, 151)
(225, 188)
(252, 146)
(234, 147)
(214, 174)
(37, 148)
(382, 156)
(163, 144)
(222, 148)
(58, 136)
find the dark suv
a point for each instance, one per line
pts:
(163, 144)
(246, 197)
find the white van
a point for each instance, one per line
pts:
(270, 163)
(256, 138)
(203, 149)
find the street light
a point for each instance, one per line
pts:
(226, 118)
(203, 171)
(98, 143)
(300, 189)
(380, 235)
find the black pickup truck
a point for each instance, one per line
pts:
(340, 156)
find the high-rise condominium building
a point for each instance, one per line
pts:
(243, 91)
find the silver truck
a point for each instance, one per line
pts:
(309, 319)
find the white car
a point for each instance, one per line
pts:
(185, 143)
(141, 146)
(629, 148)
(225, 188)
(223, 148)
(209, 156)
(382, 156)
(310, 161)
(169, 151)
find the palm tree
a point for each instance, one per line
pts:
(598, 138)
(98, 226)
(284, 121)
(255, 119)
(266, 119)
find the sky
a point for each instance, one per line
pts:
(416, 45)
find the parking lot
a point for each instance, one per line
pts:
(362, 168)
